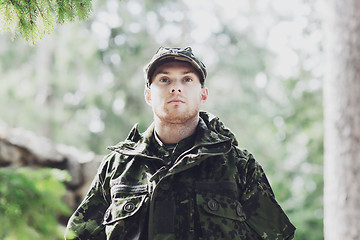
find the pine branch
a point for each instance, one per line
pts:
(33, 19)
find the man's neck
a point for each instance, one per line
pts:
(175, 132)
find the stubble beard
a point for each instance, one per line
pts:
(176, 116)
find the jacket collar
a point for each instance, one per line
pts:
(212, 139)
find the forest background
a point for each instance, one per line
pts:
(83, 84)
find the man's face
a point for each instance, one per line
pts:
(175, 93)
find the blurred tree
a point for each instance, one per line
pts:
(32, 20)
(342, 121)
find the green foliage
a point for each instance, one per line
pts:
(33, 19)
(30, 202)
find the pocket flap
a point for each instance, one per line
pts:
(121, 208)
(221, 206)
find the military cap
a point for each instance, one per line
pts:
(165, 54)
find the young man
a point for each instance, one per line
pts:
(185, 177)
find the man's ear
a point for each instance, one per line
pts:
(204, 94)
(147, 94)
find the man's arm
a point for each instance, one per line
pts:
(263, 214)
(87, 221)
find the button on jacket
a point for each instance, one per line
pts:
(204, 188)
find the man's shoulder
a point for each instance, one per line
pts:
(241, 154)
(244, 159)
(132, 141)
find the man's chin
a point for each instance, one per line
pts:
(177, 117)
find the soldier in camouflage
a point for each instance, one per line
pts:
(183, 178)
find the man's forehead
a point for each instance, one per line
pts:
(169, 67)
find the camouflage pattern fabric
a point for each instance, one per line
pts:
(206, 188)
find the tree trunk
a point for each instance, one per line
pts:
(342, 120)
(44, 81)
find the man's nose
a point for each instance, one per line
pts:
(174, 90)
(176, 87)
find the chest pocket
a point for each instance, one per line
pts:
(127, 200)
(221, 215)
(220, 206)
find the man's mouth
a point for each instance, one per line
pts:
(176, 100)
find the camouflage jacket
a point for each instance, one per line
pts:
(206, 188)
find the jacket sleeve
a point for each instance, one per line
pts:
(86, 223)
(263, 214)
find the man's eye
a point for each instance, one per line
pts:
(164, 80)
(187, 79)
